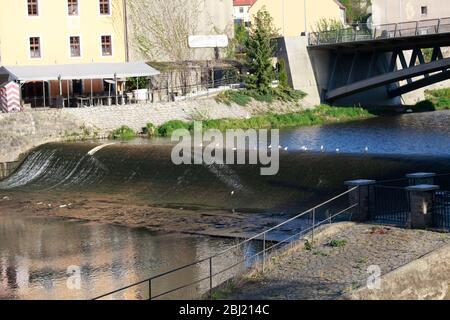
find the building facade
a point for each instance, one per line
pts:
(169, 41)
(242, 11)
(297, 17)
(394, 11)
(43, 32)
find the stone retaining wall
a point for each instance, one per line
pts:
(19, 132)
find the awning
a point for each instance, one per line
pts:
(77, 71)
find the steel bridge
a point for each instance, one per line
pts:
(364, 57)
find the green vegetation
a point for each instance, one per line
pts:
(150, 130)
(338, 243)
(357, 10)
(167, 128)
(320, 115)
(135, 83)
(244, 97)
(308, 245)
(439, 97)
(425, 105)
(259, 49)
(123, 133)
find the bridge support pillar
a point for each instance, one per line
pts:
(421, 199)
(361, 195)
(420, 178)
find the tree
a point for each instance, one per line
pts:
(357, 10)
(282, 74)
(160, 28)
(259, 51)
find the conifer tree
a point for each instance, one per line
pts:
(259, 52)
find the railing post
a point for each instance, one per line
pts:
(438, 26)
(361, 197)
(417, 28)
(210, 279)
(421, 199)
(150, 289)
(264, 252)
(313, 224)
(420, 178)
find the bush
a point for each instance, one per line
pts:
(150, 130)
(168, 128)
(439, 97)
(123, 133)
(425, 105)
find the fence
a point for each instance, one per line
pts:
(390, 200)
(231, 262)
(441, 210)
(390, 204)
(362, 32)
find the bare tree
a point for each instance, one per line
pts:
(160, 28)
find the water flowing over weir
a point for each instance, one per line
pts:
(145, 173)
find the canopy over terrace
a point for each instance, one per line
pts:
(68, 72)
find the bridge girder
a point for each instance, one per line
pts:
(417, 72)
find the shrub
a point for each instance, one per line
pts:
(123, 133)
(169, 127)
(425, 105)
(440, 97)
(150, 130)
(338, 243)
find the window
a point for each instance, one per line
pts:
(106, 46)
(72, 6)
(424, 10)
(75, 47)
(33, 9)
(35, 47)
(241, 9)
(105, 7)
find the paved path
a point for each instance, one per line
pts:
(326, 272)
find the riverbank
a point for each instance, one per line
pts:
(337, 265)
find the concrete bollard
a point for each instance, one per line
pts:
(421, 199)
(421, 178)
(361, 195)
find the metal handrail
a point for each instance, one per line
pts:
(255, 237)
(393, 30)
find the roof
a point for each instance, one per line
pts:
(77, 71)
(239, 3)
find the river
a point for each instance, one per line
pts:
(36, 249)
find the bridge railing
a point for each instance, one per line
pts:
(363, 32)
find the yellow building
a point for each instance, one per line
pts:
(37, 32)
(65, 48)
(297, 17)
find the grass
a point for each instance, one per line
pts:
(338, 243)
(439, 97)
(320, 115)
(123, 133)
(244, 97)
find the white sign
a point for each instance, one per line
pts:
(218, 41)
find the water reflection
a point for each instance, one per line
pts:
(37, 253)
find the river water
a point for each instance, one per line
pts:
(36, 252)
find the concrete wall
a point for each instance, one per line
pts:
(299, 65)
(310, 70)
(425, 278)
(54, 26)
